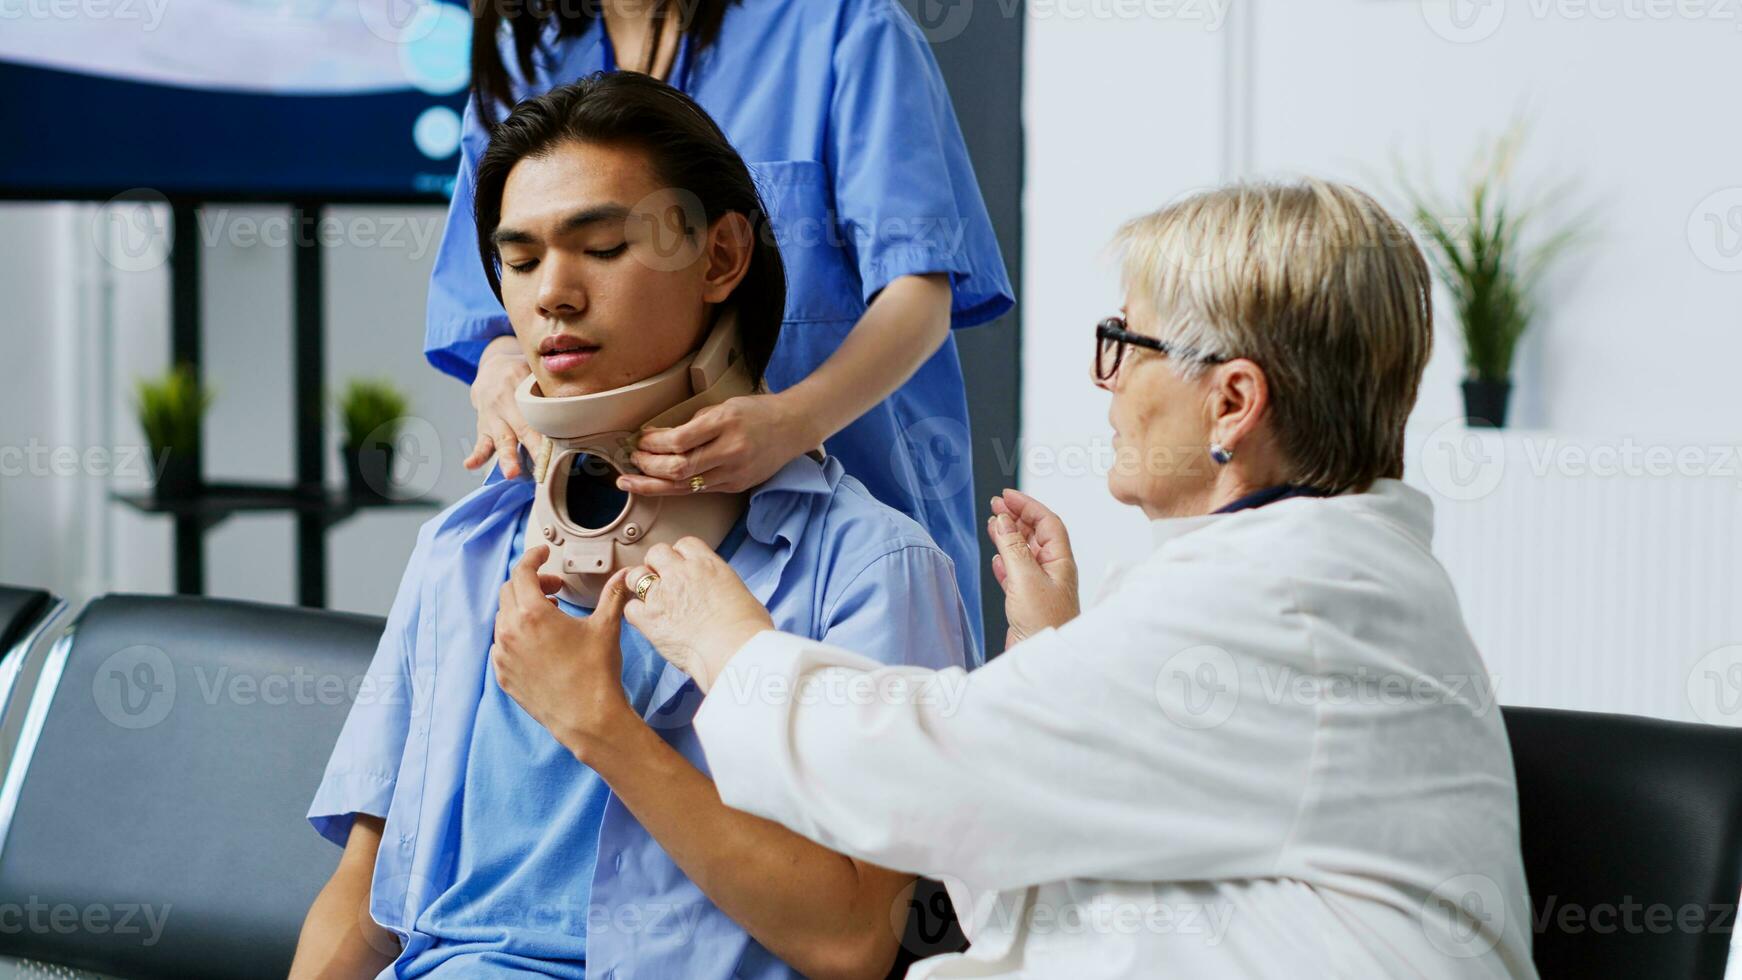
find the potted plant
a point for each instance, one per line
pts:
(372, 411)
(171, 408)
(1491, 254)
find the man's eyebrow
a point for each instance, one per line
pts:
(570, 223)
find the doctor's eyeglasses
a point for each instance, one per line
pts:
(1112, 337)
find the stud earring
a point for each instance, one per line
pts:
(1219, 454)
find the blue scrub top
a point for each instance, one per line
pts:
(843, 117)
(497, 862)
(529, 830)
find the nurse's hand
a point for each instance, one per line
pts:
(698, 614)
(566, 672)
(1034, 565)
(501, 428)
(733, 446)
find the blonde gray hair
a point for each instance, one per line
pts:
(1319, 286)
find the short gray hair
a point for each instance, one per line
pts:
(1319, 286)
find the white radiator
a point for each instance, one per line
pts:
(1602, 574)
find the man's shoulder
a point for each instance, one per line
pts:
(845, 531)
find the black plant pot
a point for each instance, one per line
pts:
(369, 471)
(178, 475)
(1485, 402)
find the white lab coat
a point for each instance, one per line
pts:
(1270, 750)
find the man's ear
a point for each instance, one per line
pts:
(731, 243)
(1239, 398)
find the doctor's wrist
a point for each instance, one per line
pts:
(724, 646)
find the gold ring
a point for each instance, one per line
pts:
(697, 484)
(643, 584)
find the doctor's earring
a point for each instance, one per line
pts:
(1219, 454)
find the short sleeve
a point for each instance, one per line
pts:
(905, 192)
(364, 767)
(903, 608)
(462, 315)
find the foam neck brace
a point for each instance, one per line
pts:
(592, 528)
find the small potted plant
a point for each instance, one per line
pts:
(171, 408)
(1491, 253)
(372, 411)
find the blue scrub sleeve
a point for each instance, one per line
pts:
(364, 767)
(903, 609)
(462, 315)
(905, 192)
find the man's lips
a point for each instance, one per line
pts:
(568, 359)
(565, 353)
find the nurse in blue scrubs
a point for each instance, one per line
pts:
(840, 109)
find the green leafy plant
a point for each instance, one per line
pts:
(371, 408)
(170, 409)
(1492, 252)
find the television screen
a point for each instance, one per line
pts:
(323, 100)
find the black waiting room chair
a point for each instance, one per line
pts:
(162, 804)
(1632, 832)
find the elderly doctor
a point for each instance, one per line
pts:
(1271, 749)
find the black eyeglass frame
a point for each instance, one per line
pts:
(1114, 329)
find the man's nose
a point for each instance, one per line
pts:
(561, 292)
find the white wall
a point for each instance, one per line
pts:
(82, 326)
(1638, 342)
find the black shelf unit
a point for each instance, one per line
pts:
(316, 507)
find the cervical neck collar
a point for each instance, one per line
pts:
(592, 527)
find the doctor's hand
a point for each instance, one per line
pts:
(501, 427)
(566, 672)
(1034, 565)
(697, 614)
(732, 446)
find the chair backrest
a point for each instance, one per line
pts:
(25, 615)
(1632, 836)
(151, 824)
(21, 610)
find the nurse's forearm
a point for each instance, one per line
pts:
(824, 914)
(903, 327)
